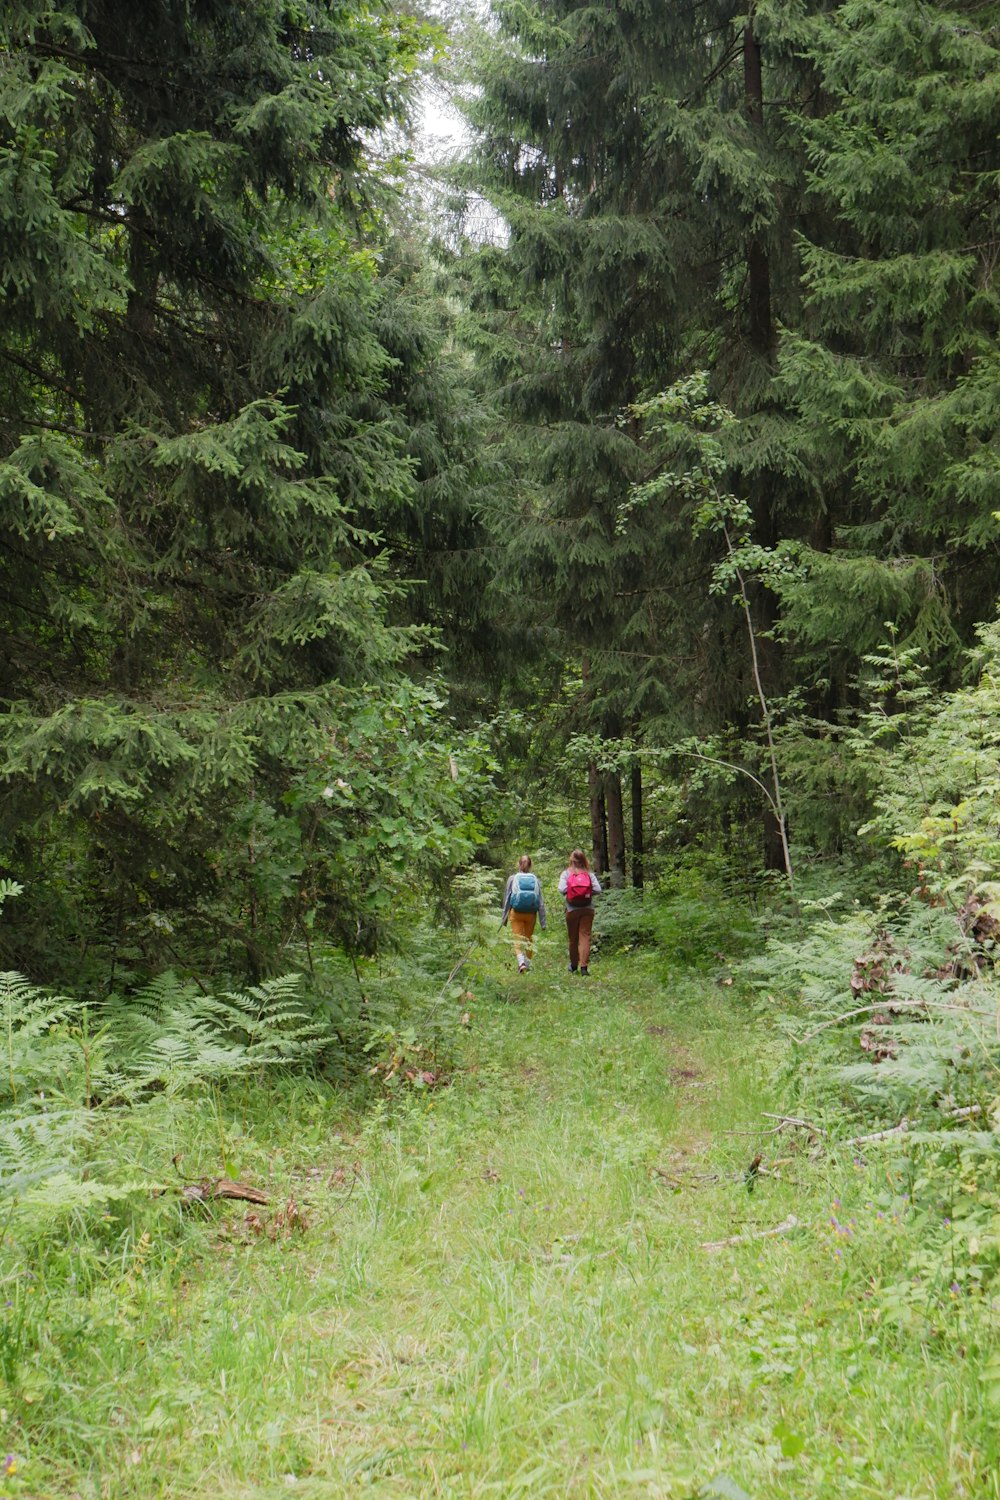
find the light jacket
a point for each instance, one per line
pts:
(595, 890)
(509, 891)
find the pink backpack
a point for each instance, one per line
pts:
(578, 888)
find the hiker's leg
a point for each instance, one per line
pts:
(573, 933)
(522, 925)
(586, 927)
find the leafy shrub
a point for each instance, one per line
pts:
(892, 1014)
(697, 913)
(624, 921)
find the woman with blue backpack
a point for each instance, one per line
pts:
(522, 903)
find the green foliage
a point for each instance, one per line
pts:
(893, 1004)
(221, 390)
(528, 1247)
(891, 370)
(72, 1070)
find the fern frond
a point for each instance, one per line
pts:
(28, 1018)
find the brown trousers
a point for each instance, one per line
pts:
(579, 924)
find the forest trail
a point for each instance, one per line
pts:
(503, 1289)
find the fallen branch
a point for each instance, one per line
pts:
(755, 1234)
(791, 1120)
(669, 1177)
(201, 1192)
(968, 1113)
(692, 1179)
(879, 1135)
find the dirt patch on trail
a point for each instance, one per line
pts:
(681, 1073)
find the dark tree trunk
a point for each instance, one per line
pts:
(761, 326)
(774, 849)
(616, 828)
(598, 820)
(141, 305)
(638, 847)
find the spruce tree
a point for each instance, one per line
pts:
(642, 159)
(891, 372)
(200, 668)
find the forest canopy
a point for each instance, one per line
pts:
(339, 544)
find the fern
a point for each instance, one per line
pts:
(72, 1070)
(274, 1021)
(28, 1018)
(35, 1146)
(171, 1033)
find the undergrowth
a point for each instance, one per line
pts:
(437, 1227)
(891, 1014)
(503, 1286)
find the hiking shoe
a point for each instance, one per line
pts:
(572, 968)
(585, 970)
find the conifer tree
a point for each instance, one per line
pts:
(891, 372)
(651, 186)
(196, 408)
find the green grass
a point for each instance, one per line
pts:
(502, 1289)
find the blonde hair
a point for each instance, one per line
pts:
(579, 860)
(524, 863)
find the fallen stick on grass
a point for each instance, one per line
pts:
(200, 1192)
(755, 1234)
(792, 1120)
(879, 1135)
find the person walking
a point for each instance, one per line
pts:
(579, 887)
(522, 903)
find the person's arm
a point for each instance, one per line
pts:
(508, 888)
(595, 884)
(541, 907)
(562, 882)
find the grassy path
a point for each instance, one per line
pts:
(503, 1290)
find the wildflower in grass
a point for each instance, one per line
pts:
(9, 1465)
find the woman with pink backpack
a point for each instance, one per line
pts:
(579, 887)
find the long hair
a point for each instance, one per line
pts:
(524, 863)
(579, 860)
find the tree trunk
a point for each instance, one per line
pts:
(638, 848)
(616, 828)
(141, 305)
(761, 326)
(598, 820)
(774, 848)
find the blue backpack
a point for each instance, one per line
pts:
(525, 893)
